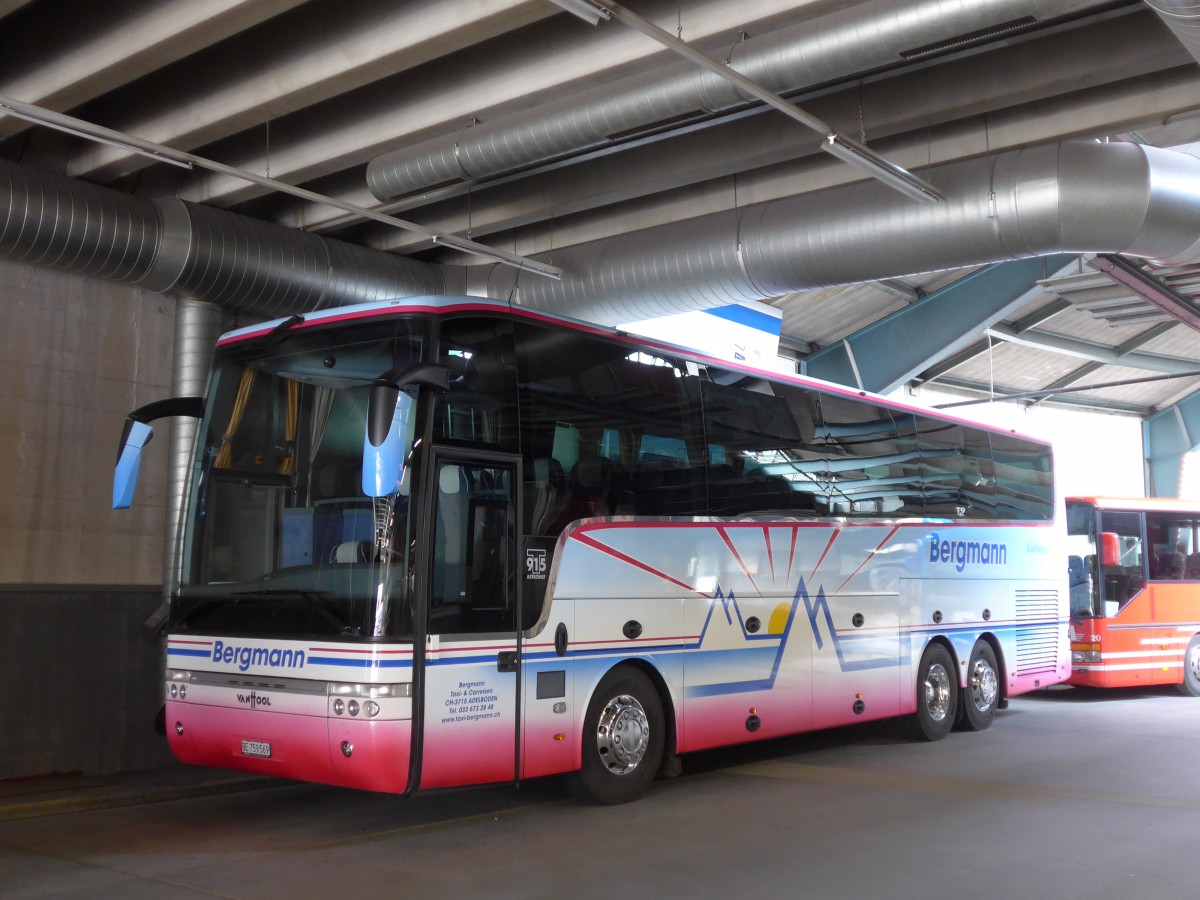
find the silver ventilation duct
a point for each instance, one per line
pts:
(197, 327)
(62, 223)
(1069, 197)
(192, 250)
(835, 46)
(1183, 18)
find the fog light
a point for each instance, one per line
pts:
(347, 749)
(338, 706)
(371, 708)
(352, 706)
(179, 728)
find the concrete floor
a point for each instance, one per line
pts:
(1071, 794)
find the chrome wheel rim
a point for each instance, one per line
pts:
(985, 685)
(937, 692)
(622, 734)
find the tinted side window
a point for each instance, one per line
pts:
(1125, 576)
(1024, 478)
(957, 471)
(480, 409)
(1173, 549)
(872, 458)
(758, 447)
(606, 431)
(799, 452)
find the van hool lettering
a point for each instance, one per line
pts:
(254, 700)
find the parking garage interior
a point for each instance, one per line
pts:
(983, 203)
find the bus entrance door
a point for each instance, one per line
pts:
(469, 731)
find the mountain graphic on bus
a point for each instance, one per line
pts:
(855, 652)
(738, 653)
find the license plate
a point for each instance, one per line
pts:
(256, 748)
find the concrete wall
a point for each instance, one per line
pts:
(83, 682)
(77, 354)
(77, 579)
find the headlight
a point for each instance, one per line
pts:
(177, 683)
(365, 699)
(1085, 653)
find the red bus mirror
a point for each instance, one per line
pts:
(1110, 551)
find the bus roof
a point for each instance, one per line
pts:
(1152, 504)
(443, 304)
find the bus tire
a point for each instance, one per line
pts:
(624, 733)
(980, 699)
(937, 695)
(1191, 668)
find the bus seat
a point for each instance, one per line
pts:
(548, 496)
(591, 481)
(1079, 590)
(351, 552)
(1075, 571)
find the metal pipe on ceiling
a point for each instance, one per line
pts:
(839, 45)
(1073, 197)
(192, 250)
(1070, 197)
(1183, 18)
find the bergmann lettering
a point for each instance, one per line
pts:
(961, 554)
(245, 657)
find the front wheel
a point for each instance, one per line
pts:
(937, 695)
(624, 733)
(1191, 668)
(983, 688)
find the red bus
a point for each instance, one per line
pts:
(1134, 571)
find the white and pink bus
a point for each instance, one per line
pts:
(450, 541)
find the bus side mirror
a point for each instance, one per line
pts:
(1110, 550)
(137, 434)
(129, 458)
(388, 411)
(383, 451)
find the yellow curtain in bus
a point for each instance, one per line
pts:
(291, 427)
(225, 457)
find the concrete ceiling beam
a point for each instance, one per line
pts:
(502, 76)
(374, 40)
(105, 46)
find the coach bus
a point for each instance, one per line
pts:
(1134, 574)
(450, 541)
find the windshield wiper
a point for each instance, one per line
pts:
(319, 599)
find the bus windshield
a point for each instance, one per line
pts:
(281, 539)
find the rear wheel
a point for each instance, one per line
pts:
(983, 688)
(1191, 668)
(937, 695)
(623, 737)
